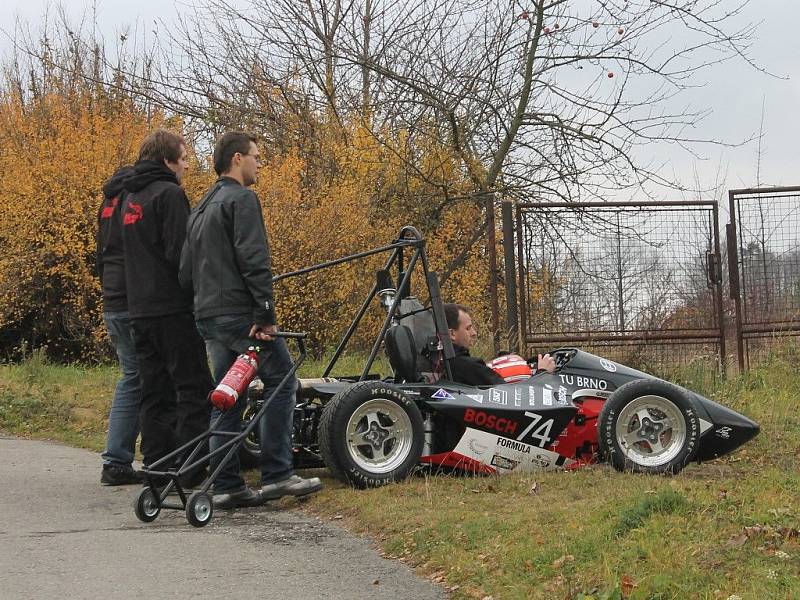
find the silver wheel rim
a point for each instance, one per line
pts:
(149, 505)
(651, 431)
(202, 508)
(379, 436)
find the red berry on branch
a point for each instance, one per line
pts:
(595, 24)
(556, 26)
(524, 15)
(620, 31)
(547, 31)
(610, 74)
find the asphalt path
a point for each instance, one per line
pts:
(63, 535)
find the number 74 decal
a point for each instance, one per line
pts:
(542, 433)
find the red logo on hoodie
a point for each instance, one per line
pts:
(133, 213)
(108, 209)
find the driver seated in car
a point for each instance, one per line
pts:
(471, 370)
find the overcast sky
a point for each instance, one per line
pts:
(733, 92)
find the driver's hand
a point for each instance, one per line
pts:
(546, 363)
(262, 332)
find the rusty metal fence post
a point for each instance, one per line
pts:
(512, 320)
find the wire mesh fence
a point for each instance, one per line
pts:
(764, 260)
(636, 282)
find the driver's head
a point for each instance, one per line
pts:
(459, 323)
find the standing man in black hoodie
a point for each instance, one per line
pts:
(123, 420)
(173, 367)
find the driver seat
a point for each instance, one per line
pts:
(402, 353)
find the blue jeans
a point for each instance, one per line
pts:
(123, 420)
(226, 337)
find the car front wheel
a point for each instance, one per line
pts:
(649, 426)
(371, 434)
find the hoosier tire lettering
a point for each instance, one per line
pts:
(396, 394)
(374, 450)
(662, 396)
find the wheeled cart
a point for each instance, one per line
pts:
(163, 489)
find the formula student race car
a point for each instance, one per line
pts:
(370, 431)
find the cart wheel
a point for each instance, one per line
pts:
(147, 505)
(199, 509)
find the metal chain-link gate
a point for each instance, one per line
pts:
(763, 242)
(639, 282)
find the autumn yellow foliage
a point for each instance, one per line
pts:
(55, 153)
(347, 214)
(57, 149)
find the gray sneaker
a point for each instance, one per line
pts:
(291, 486)
(237, 499)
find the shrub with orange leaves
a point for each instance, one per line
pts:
(56, 151)
(352, 194)
(358, 207)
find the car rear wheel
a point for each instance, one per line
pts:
(649, 426)
(371, 434)
(250, 452)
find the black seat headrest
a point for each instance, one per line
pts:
(402, 353)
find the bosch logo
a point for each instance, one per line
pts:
(482, 419)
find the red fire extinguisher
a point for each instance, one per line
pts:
(236, 380)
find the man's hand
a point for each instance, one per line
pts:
(262, 332)
(546, 363)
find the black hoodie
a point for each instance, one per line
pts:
(154, 227)
(110, 253)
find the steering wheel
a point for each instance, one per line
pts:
(562, 356)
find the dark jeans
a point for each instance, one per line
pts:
(123, 420)
(173, 369)
(226, 338)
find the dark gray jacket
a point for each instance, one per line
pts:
(226, 258)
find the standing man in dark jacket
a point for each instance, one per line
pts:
(172, 361)
(123, 420)
(227, 261)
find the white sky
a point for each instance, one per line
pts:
(733, 91)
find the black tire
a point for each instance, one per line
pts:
(199, 509)
(250, 452)
(391, 419)
(649, 426)
(147, 505)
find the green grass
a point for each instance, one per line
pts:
(65, 403)
(718, 530)
(70, 403)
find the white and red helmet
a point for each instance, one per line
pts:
(511, 367)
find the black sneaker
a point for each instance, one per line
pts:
(237, 499)
(118, 475)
